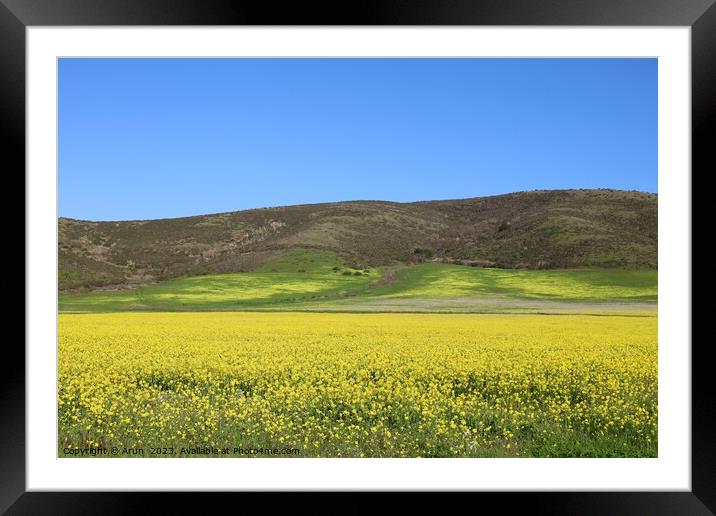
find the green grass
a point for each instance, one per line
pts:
(299, 276)
(302, 260)
(433, 280)
(306, 279)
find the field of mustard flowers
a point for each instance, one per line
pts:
(357, 385)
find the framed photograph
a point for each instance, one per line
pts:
(434, 248)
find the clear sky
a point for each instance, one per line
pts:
(157, 138)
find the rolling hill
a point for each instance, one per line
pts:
(546, 229)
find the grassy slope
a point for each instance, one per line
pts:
(440, 280)
(298, 276)
(304, 279)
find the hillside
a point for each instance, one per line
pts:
(535, 230)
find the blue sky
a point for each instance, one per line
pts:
(157, 138)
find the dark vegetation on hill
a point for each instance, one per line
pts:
(538, 229)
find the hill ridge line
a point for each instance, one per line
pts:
(360, 201)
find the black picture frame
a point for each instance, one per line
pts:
(700, 15)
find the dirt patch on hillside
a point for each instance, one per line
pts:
(390, 275)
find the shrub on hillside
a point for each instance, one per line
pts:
(424, 253)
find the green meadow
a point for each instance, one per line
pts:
(318, 280)
(441, 280)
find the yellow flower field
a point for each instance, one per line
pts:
(357, 385)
